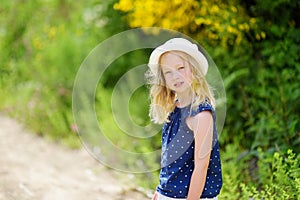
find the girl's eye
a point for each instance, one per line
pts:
(167, 72)
(181, 68)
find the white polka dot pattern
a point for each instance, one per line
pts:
(177, 158)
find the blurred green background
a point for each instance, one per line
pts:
(255, 44)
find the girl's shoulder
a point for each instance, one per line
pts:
(205, 106)
(202, 114)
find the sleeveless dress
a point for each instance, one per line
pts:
(177, 158)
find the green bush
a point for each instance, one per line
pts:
(42, 52)
(278, 177)
(273, 175)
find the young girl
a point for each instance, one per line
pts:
(182, 100)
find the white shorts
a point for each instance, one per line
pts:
(163, 197)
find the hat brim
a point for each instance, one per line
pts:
(188, 48)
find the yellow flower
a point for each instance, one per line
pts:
(244, 27)
(257, 36)
(37, 44)
(252, 20)
(238, 39)
(208, 21)
(241, 27)
(199, 21)
(124, 5)
(263, 35)
(52, 32)
(247, 27)
(230, 29)
(224, 22)
(218, 27)
(233, 21)
(214, 9)
(212, 36)
(233, 9)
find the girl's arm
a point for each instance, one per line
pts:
(202, 126)
(155, 196)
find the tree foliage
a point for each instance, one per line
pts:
(242, 35)
(217, 22)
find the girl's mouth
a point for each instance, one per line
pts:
(178, 84)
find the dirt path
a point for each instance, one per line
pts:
(33, 168)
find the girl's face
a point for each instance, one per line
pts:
(177, 72)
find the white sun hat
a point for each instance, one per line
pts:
(178, 44)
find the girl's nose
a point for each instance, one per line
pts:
(176, 75)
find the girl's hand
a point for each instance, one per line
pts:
(155, 196)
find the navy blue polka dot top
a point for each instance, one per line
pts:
(177, 158)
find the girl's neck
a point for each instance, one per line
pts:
(184, 99)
